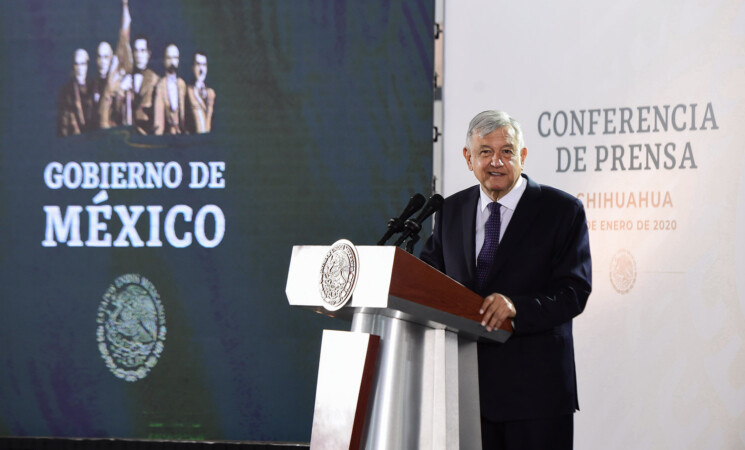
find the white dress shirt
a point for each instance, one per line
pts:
(172, 85)
(508, 202)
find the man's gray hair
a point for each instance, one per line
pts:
(488, 121)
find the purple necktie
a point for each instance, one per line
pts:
(491, 242)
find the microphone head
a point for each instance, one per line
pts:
(415, 202)
(413, 226)
(433, 205)
(397, 223)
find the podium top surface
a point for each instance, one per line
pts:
(393, 283)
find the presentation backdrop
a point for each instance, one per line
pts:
(152, 187)
(637, 108)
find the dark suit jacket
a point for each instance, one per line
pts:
(119, 107)
(74, 109)
(166, 121)
(199, 110)
(143, 103)
(99, 87)
(543, 265)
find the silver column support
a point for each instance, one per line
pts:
(425, 387)
(424, 391)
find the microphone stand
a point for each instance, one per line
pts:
(412, 227)
(413, 239)
(397, 224)
(411, 235)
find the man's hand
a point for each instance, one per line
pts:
(495, 309)
(127, 83)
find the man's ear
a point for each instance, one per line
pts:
(467, 155)
(523, 155)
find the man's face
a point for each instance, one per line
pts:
(103, 58)
(200, 67)
(170, 59)
(80, 67)
(141, 54)
(496, 161)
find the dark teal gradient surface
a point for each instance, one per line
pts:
(323, 118)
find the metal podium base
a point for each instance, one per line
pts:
(423, 327)
(425, 387)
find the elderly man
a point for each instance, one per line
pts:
(75, 105)
(200, 98)
(104, 55)
(144, 81)
(170, 97)
(129, 96)
(524, 247)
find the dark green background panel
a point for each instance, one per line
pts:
(323, 118)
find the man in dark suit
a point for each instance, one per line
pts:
(200, 98)
(528, 255)
(104, 55)
(75, 104)
(115, 108)
(170, 97)
(129, 97)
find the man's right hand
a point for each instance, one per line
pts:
(495, 309)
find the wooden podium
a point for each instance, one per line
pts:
(405, 376)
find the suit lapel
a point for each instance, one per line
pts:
(181, 85)
(198, 98)
(80, 116)
(468, 222)
(525, 213)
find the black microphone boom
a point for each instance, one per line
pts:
(412, 227)
(396, 224)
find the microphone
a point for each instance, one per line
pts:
(396, 224)
(414, 226)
